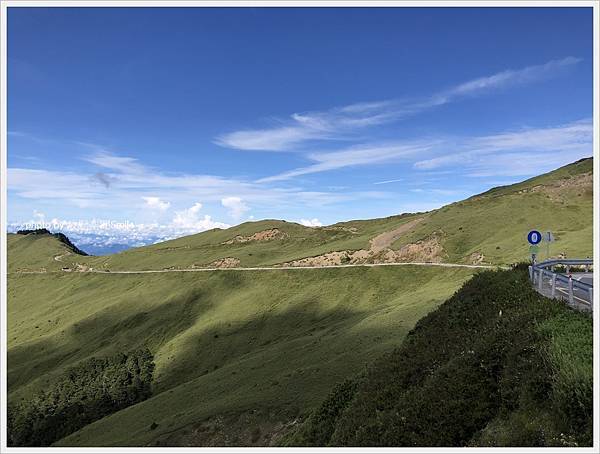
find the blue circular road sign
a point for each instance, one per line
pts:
(534, 237)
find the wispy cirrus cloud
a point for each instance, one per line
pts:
(111, 161)
(125, 181)
(508, 77)
(342, 123)
(517, 152)
(302, 127)
(395, 180)
(502, 154)
(356, 156)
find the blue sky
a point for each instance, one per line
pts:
(176, 120)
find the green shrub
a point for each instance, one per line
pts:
(319, 429)
(83, 394)
(569, 355)
(495, 365)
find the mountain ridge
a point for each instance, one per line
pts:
(468, 231)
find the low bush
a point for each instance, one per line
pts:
(93, 389)
(495, 365)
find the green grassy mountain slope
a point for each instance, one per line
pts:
(495, 365)
(488, 228)
(242, 355)
(494, 223)
(225, 343)
(37, 251)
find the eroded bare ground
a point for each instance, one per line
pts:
(386, 239)
(225, 262)
(264, 235)
(476, 258)
(429, 249)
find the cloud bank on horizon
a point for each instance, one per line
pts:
(361, 159)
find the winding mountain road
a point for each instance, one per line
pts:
(270, 268)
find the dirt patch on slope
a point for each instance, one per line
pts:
(331, 258)
(264, 235)
(427, 250)
(225, 262)
(476, 258)
(386, 239)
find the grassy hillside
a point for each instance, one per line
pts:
(495, 365)
(241, 356)
(494, 223)
(224, 343)
(487, 228)
(36, 252)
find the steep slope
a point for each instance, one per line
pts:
(39, 251)
(491, 227)
(226, 344)
(495, 365)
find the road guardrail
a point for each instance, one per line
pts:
(553, 284)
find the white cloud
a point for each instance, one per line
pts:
(344, 122)
(82, 190)
(236, 207)
(108, 232)
(189, 217)
(109, 160)
(522, 152)
(397, 180)
(268, 139)
(557, 144)
(314, 222)
(510, 77)
(70, 189)
(156, 203)
(354, 156)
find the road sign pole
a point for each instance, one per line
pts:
(541, 279)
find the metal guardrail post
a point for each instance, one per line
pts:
(568, 269)
(541, 279)
(553, 285)
(570, 290)
(530, 273)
